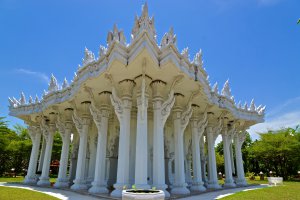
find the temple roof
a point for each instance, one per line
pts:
(120, 58)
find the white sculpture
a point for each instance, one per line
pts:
(65, 84)
(252, 106)
(115, 36)
(185, 53)
(215, 88)
(168, 38)
(23, 99)
(53, 85)
(88, 57)
(143, 23)
(226, 92)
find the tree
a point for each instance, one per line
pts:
(278, 151)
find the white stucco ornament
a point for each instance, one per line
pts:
(226, 92)
(116, 36)
(22, 99)
(53, 85)
(65, 84)
(88, 57)
(168, 38)
(143, 23)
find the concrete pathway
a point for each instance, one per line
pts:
(61, 194)
(219, 194)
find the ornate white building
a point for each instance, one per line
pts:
(141, 113)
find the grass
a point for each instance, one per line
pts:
(288, 191)
(18, 179)
(9, 193)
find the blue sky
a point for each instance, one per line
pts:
(254, 43)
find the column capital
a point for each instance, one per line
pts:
(80, 121)
(98, 114)
(126, 87)
(158, 88)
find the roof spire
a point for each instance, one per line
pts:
(226, 92)
(53, 85)
(252, 106)
(143, 23)
(23, 99)
(65, 83)
(215, 88)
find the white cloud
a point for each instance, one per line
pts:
(283, 116)
(38, 75)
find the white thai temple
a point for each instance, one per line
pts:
(139, 113)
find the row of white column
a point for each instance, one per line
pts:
(122, 106)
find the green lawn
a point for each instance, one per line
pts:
(18, 179)
(288, 191)
(9, 193)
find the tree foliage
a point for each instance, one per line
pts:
(15, 148)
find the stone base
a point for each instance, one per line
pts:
(117, 192)
(60, 183)
(213, 186)
(98, 189)
(163, 188)
(241, 183)
(30, 180)
(198, 188)
(44, 181)
(142, 186)
(79, 185)
(229, 185)
(180, 190)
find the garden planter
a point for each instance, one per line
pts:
(141, 194)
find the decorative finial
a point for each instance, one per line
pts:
(252, 106)
(11, 102)
(102, 51)
(53, 85)
(198, 59)
(245, 106)
(23, 99)
(262, 111)
(16, 102)
(88, 57)
(143, 23)
(168, 38)
(30, 100)
(116, 36)
(65, 84)
(239, 105)
(215, 88)
(226, 92)
(36, 99)
(185, 53)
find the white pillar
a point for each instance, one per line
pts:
(65, 129)
(35, 135)
(141, 156)
(198, 127)
(92, 145)
(48, 132)
(82, 125)
(161, 111)
(203, 159)
(231, 157)
(180, 121)
(227, 158)
(41, 159)
(100, 117)
(212, 134)
(239, 139)
(123, 111)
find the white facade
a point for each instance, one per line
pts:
(141, 113)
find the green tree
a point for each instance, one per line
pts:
(278, 151)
